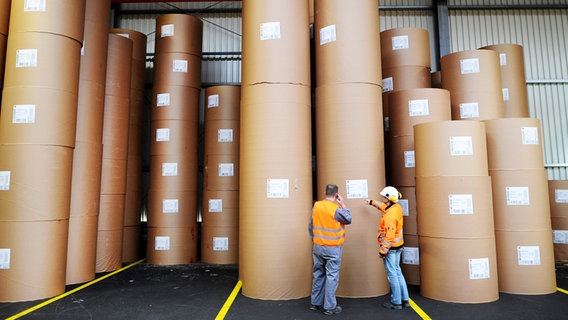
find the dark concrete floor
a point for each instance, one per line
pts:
(199, 291)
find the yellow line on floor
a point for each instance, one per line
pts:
(61, 296)
(419, 310)
(562, 290)
(223, 312)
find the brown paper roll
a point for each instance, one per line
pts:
(220, 245)
(459, 270)
(173, 137)
(113, 176)
(477, 105)
(111, 213)
(37, 265)
(436, 77)
(405, 47)
(39, 186)
(171, 246)
(450, 148)
(401, 159)
(81, 249)
(115, 127)
(410, 213)
(455, 207)
(172, 208)
(177, 69)
(180, 33)
(414, 106)
(514, 143)
(278, 118)
(471, 70)
(90, 112)
(220, 208)
(221, 172)
(42, 60)
(347, 43)
(38, 115)
(86, 181)
(275, 42)
(109, 250)
(558, 192)
(175, 103)
(3, 45)
(513, 79)
(4, 16)
(410, 262)
(222, 137)
(526, 262)
(130, 243)
(119, 66)
(134, 197)
(63, 18)
(174, 172)
(95, 45)
(222, 103)
(520, 200)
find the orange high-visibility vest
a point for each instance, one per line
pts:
(390, 228)
(327, 231)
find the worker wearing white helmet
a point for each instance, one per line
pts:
(391, 241)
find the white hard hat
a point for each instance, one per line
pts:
(391, 193)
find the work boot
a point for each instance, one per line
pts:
(405, 304)
(313, 307)
(332, 311)
(390, 305)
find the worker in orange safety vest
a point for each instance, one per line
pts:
(391, 243)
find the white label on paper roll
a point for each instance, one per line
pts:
(4, 258)
(83, 48)
(277, 188)
(418, 107)
(225, 135)
(327, 35)
(461, 146)
(163, 99)
(169, 169)
(505, 94)
(409, 161)
(528, 255)
(410, 255)
(4, 180)
(561, 195)
(215, 205)
(386, 123)
(468, 66)
(26, 58)
(479, 268)
(35, 5)
(461, 203)
(270, 31)
(167, 30)
(163, 134)
(124, 35)
(179, 65)
(404, 204)
(213, 101)
(226, 169)
(529, 135)
(560, 236)
(387, 84)
(469, 110)
(517, 196)
(220, 244)
(23, 113)
(503, 59)
(170, 206)
(357, 189)
(400, 43)
(162, 243)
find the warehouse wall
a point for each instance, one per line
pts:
(472, 24)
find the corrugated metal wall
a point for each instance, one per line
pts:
(543, 33)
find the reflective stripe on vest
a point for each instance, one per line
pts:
(327, 231)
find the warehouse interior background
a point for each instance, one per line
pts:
(453, 26)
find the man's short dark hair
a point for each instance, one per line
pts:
(331, 189)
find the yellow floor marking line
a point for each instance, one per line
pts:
(418, 310)
(63, 295)
(223, 312)
(562, 290)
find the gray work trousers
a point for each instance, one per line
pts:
(327, 262)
